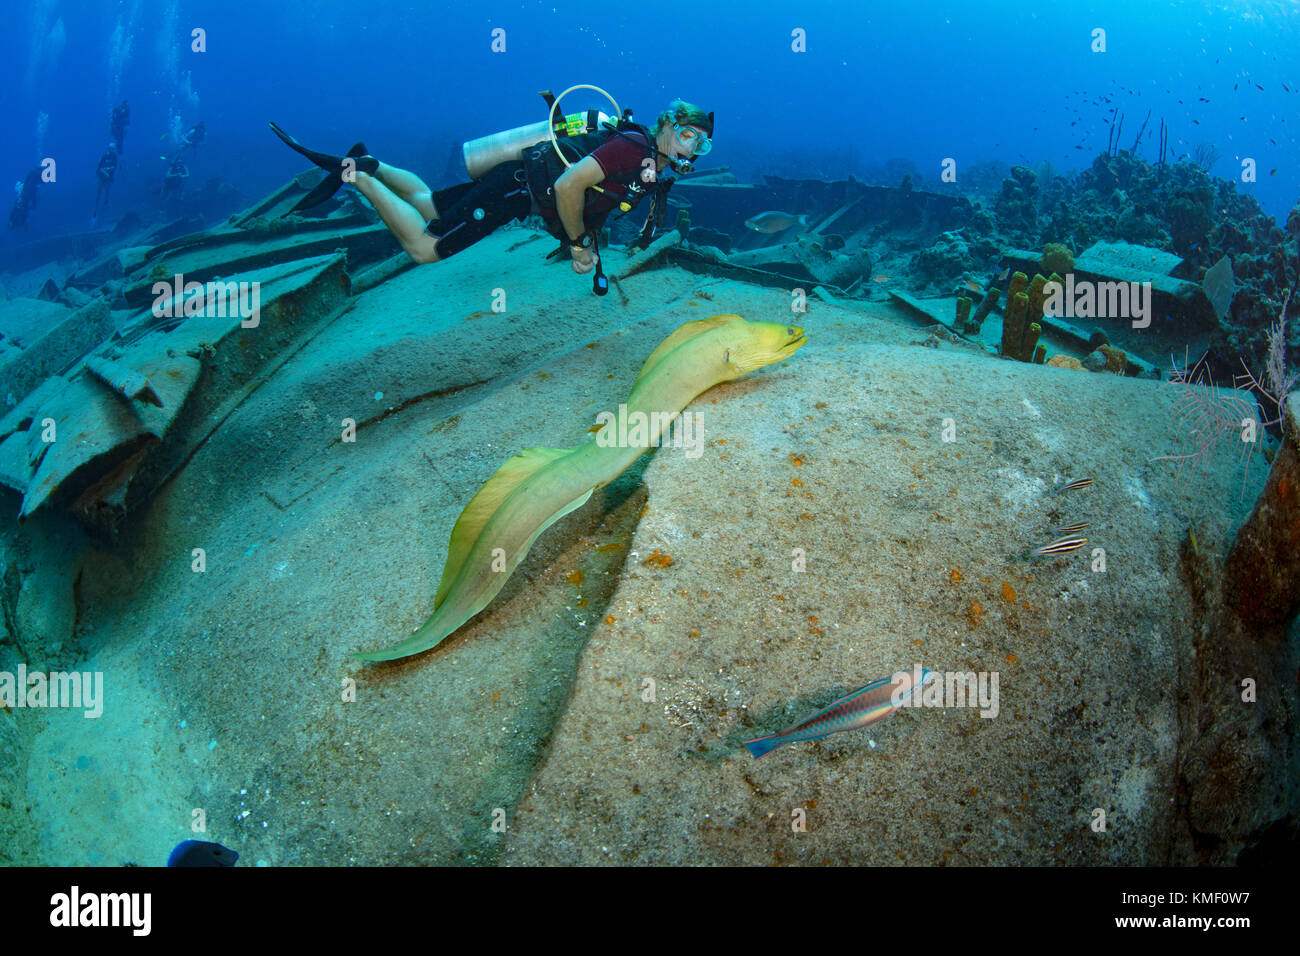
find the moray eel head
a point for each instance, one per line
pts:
(756, 344)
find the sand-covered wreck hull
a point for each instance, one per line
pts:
(109, 399)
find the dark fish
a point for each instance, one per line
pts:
(1060, 546)
(773, 221)
(1078, 484)
(1205, 99)
(199, 853)
(1258, 87)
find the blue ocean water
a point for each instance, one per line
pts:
(922, 81)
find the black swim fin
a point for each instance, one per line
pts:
(328, 186)
(333, 166)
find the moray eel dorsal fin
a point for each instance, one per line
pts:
(687, 331)
(448, 617)
(484, 504)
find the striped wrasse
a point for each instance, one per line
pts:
(861, 708)
(1060, 546)
(1078, 484)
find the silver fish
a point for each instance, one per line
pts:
(769, 222)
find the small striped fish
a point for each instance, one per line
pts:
(1060, 546)
(1072, 528)
(860, 709)
(1078, 484)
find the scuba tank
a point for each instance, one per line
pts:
(487, 151)
(538, 147)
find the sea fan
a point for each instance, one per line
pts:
(1280, 381)
(1207, 414)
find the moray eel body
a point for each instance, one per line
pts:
(537, 488)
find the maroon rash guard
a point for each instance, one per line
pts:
(618, 156)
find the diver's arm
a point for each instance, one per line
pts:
(569, 191)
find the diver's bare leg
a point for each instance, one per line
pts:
(403, 220)
(410, 188)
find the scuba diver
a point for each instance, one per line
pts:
(174, 181)
(607, 169)
(194, 136)
(117, 125)
(24, 199)
(104, 174)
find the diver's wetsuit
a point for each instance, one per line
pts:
(174, 181)
(470, 211)
(105, 172)
(25, 202)
(118, 123)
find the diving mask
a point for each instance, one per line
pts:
(693, 139)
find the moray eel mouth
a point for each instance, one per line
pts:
(784, 346)
(796, 339)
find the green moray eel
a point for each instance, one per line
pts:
(537, 488)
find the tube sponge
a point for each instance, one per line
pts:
(963, 312)
(1036, 297)
(988, 305)
(1013, 323)
(1019, 283)
(1029, 343)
